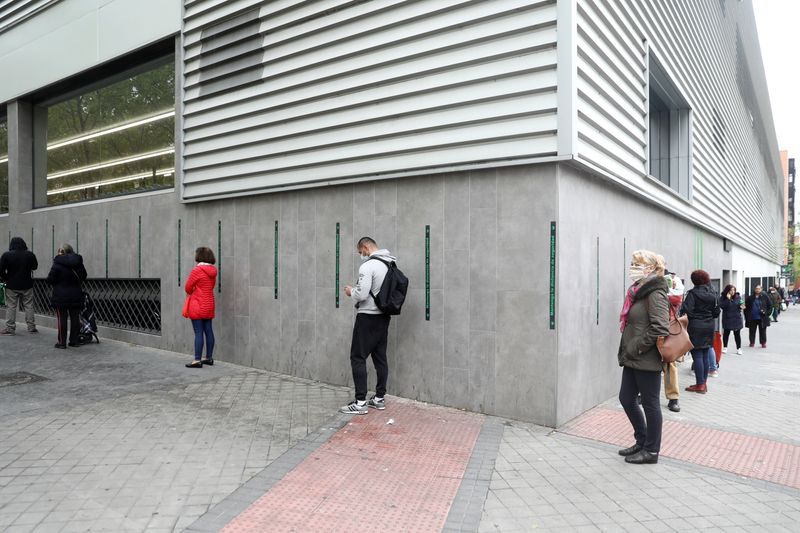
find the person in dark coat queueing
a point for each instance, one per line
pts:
(200, 306)
(66, 276)
(702, 307)
(644, 318)
(757, 311)
(731, 304)
(16, 271)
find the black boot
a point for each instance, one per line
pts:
(630, 451)
(673, 406)
(642, 457)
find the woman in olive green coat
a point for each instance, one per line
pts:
(644, 318)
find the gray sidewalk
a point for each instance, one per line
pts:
(125, 438)
(549, 481)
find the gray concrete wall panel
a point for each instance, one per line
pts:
(587, 350)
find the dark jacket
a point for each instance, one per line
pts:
(66, 276)
(17, 266)
(775, 298)
(766, 309)
(701, 305)
(648, 319)
(731, 312)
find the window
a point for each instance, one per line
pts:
(670, 132)
(117, 137)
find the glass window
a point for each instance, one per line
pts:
(670, 132)
(3, 165)
(112, 140)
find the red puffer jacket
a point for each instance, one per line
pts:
(200, 288)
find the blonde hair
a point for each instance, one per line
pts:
(651, 259)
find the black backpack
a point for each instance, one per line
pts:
(392, 293)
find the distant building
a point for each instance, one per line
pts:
(512, 153)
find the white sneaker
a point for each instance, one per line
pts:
(725, 350)
(739, 351)
(713, 374)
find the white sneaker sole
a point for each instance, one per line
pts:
(379, 408)
(349, 412)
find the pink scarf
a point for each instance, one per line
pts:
(626, 307)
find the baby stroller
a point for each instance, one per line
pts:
(88, 319)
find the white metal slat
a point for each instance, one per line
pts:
(288, 105)
(313, 133)
(388, 45)
(440, 138)
(348, 78)
(291, 122)
(428, 159)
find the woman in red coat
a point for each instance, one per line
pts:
(199, 306)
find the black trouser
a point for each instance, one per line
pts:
(74, 324)
(762, 332)
(647, 425)
(370, 335)
(737, 336)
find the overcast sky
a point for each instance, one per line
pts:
(779, 32)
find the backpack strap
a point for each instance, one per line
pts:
(388, 266)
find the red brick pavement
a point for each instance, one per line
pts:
(740, 454)
(373, 476)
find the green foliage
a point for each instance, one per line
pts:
(124, 102)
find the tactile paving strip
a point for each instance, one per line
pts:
(745, 455)
(373, 476)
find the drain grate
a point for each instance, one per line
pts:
(19, 378)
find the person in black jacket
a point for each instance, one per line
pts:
(757, 310)
(16, 270)
(702, 307)
(731, 305)
(66, 276)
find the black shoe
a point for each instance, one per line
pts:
(673, 406)
(61, 346)
(642, 457)
(209, 362)
(630, 451)
(194, 364)
(73, 344)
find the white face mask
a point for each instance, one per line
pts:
(637, 273)
(364, 257)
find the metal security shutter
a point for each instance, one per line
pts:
(290, 93)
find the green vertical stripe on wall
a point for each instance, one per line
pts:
(427, 272)
(336, 288)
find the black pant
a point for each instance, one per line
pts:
(370, 335)
(737, 336)
(74, 324)
(762, 332)
(647, 426)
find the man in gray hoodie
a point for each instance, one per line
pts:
(371, 329)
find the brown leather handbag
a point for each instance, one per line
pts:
(675, 345)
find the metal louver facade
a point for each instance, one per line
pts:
(287, 94)
(710, 49)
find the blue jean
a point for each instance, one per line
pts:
(203, 328)
(702, 357)
(712, 360)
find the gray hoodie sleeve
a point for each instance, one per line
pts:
(362, 289)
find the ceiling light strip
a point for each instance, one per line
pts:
(114, 129)
(165, 172)
(109, 164)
